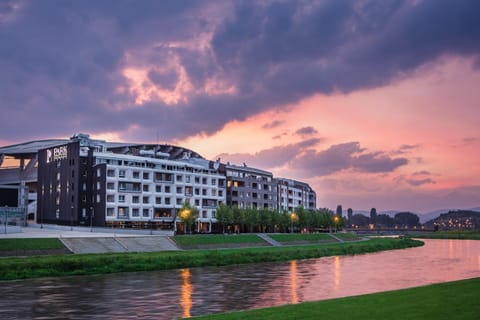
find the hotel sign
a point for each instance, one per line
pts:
(58, 153)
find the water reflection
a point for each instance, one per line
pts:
(186, 300)
(293, 281)
(196, 291)
(336, 270)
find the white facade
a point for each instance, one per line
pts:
(147, 189)
(293, 194)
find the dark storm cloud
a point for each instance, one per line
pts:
(419, 182)
(303, 156)
(62, 61)
(273, 124)
(270, 158)
(346, 156)
(306, 131)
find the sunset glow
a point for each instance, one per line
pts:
(374, 104)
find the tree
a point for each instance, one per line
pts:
(188, 215)
(224, 215)
(407, 220)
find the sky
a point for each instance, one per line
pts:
(373, 103)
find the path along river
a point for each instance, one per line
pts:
(188, 292)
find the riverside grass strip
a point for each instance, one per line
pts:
(65, 265)
(30, 244)
(459, 235)
(445, 301)
(190, 240)
(293, 237)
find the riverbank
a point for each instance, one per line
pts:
(456, 235)
(450, 300)
(65, 265)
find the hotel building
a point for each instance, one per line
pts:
(81, 181)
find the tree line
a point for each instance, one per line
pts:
(234, 219)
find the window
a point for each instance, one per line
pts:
(146, 176)
(110, 212)
(84, 212)
(110, 198)
(179, 190)
(145, 188)
(158, 188)
(179, 201)
(135, 212)
(121, 198)
(179, 178)
(136, 175)
(158, 200)
(73, 173)
(98, 198)
(197, 179)
(98, 185)
(167, 200)
(146, 213)
(188, 191)
(135, 199)
(123, 212)
(220, 193)
(204, 180)
(187, 179)
(146, 199)
(99, 172)
(214, 214)
(121, 173)
(197, 202)
(214, 181)
(111, 186)
(58, 176)
(167, 189)
(110, 173)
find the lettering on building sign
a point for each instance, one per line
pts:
(58, 153)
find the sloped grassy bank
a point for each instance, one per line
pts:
(65, 265)
(445, 301)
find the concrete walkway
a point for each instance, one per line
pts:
(121, 244)
(267, 238)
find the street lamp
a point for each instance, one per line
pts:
(71, 219)
(293, 217)
(185, 216)
(91, 218)
(336, 219)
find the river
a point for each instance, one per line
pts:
(196, 291)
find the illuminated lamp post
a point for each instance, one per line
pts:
(185, 215)
(293, 218)
(336, 219)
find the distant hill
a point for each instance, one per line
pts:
(456, 219)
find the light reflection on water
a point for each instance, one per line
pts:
(189, 292)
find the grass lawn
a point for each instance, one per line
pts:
(30, 244)
(347, 236)
(64, 265)
(191, 240)
(463, 235)
(295, 237)
(446, 301)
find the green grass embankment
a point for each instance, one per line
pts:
(461, 235)
(30, 244)
(64, 265)
(302, 237)
(217, 240)
(445, 301)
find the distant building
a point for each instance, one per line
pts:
(249, 187)
(293, 194)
